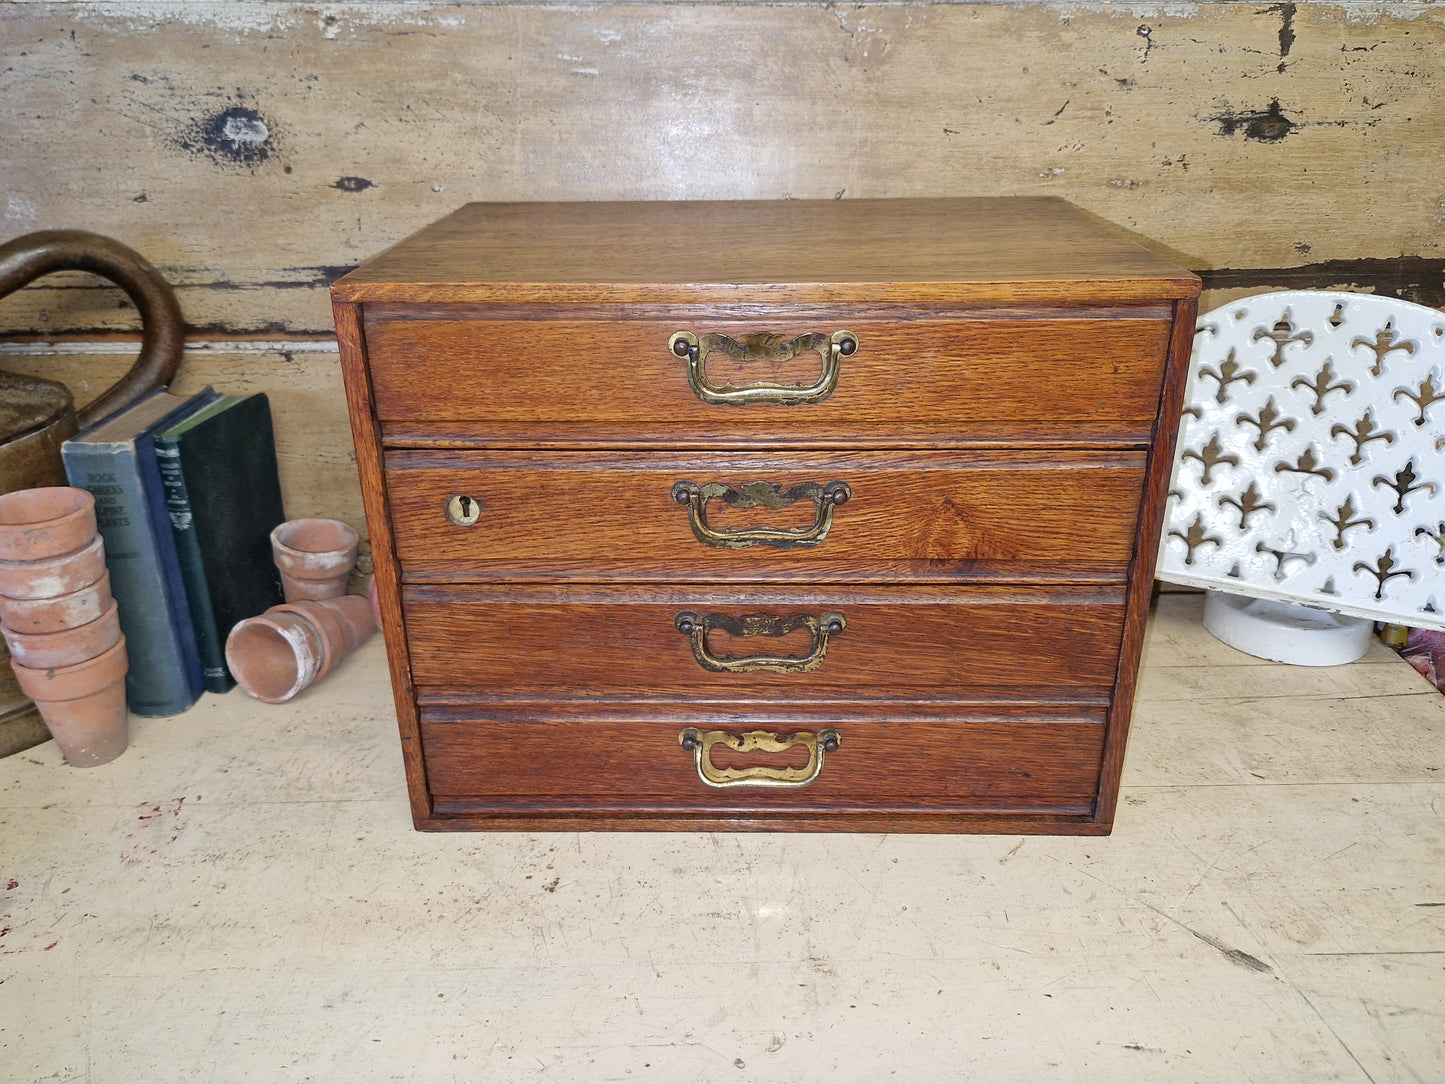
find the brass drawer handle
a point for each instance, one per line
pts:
(761, 495)
(765, 347)
(700, 743)
(696, 627)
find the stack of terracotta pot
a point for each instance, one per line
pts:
(60, 622)
(291, 646)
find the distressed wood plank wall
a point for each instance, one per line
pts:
(254, 151)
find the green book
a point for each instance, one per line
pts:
(223, 495)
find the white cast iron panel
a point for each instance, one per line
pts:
(1308, 467)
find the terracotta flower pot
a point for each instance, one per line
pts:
(51, 576)
(32, 615)
(46, 650)
(314, 556)
(278, 654)
(82, 705)
(273, 656)
(342, 622)
(45, 522)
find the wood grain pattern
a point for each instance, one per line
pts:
(584, 641)
(944, 373)
(968, 765)
(351, 337)
(1001, 572)
(1278, 145)
(739, 252)
(919, 515)
(1146, 552)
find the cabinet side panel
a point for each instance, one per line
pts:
(1146, 549)
(366, 434)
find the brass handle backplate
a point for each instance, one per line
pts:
(761, 495)
(695, 626)
(701, 742)
(762, 347)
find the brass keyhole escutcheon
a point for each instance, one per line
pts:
(464, 511)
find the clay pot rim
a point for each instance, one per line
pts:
(350, 537)
(54, 536)
(42, 639)
(81, 502)
(65, 647)
(107, 667)
(103, 582)
(29, 576)
(11, 564)
(270, 631)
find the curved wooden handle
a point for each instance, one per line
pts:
(34, 255)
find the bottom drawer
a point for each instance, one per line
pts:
(1009, 761)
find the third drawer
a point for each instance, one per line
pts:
(755, 642)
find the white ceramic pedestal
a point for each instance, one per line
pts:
(1286, 631)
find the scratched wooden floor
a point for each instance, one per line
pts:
(241, 897)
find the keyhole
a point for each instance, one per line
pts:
(463, 510)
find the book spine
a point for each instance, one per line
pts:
(159, 680)
(212, 650)
(174, 588)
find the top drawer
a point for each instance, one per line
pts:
(456, 374)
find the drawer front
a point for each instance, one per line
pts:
(739, 516)
(1045, 763)
(752, 642)
(1036, 375)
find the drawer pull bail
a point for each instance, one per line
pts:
(696, 627)
(762, 347)
(761, 495)
(701, 742)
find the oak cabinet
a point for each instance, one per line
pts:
(775, 515)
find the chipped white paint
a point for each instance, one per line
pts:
(200, 346)
(19, 210)
(265, 18)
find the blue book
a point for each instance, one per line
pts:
(115, 461)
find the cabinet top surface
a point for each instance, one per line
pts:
(1001, 250)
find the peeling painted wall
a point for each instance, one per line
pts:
(254, 151)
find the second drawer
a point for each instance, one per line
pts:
(772, 515)
(749, 642)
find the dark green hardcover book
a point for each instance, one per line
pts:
(223, 493)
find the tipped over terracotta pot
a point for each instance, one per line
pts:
(277, 654)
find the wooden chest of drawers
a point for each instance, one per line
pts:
(784, 516)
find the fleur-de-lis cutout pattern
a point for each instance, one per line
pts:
(1297, 403)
